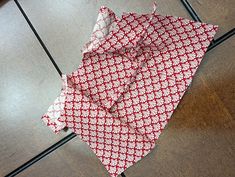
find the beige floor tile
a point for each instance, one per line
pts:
(217, 12)
(65, 26)
(74, 159)
(28, 84)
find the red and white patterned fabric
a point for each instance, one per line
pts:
(135, 70)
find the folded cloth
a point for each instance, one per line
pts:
(135, 70)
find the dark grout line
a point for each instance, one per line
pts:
(41, 155)
(221, 39)
(123, 175)
(38, 37)
(191, 11)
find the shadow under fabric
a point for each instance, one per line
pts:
(134, 71)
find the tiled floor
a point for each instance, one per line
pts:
(198, 141)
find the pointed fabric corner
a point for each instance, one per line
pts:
(135, 70)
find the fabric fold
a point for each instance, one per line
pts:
(55, 111)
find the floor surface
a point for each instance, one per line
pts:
(199, 141)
